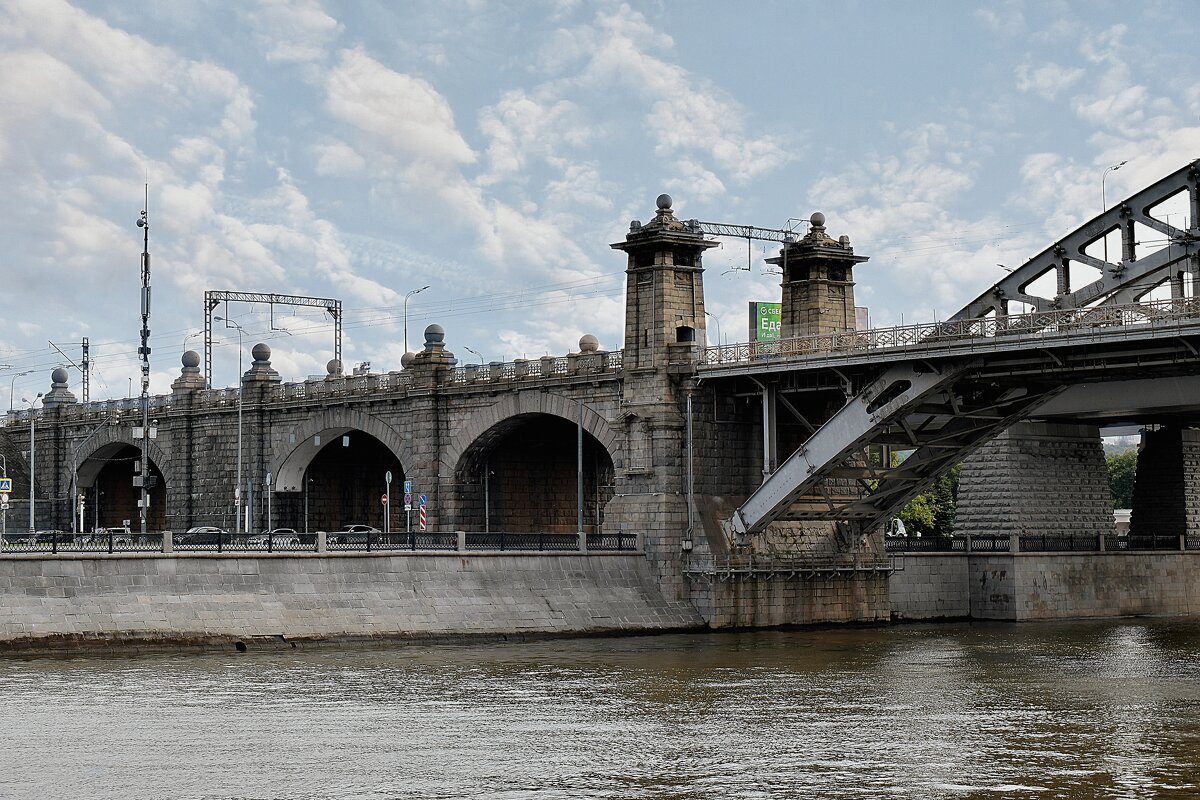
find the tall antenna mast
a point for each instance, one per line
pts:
(143, 478)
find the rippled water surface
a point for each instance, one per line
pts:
(1082, 709)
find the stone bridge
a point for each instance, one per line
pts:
(783, 450)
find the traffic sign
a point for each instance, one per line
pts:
(421, 500)
(384, 499)
(387, 476)
(407, 487)
(5, 485)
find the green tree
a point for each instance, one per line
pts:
(932, 512)
(1122, 467)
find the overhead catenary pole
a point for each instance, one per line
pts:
(237, 486)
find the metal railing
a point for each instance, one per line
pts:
(1042, 543)
(957, 334)
(504, 540)
(67, 542)
(771, 565)
(226, 542)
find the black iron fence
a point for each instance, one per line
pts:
(222, 541)
(67, 542)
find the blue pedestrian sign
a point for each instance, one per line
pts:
(421, 500)
(5, 485)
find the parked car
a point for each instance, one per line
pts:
(121, 535)
(203, 535)
(354, 534)
(279, 537)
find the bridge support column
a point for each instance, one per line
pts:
(1038, 478)
(1166, 491)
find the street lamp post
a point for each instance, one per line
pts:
(1104, 198)
(12, 387)
(717, 320)
(237, 488)
(32, 464)
(474, 353)
(410, 294)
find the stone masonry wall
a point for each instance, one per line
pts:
(749, 602)
(1046, 586)
(1036, 478)
(1166, 492)
(120, 600)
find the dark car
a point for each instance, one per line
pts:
(354, 534)
(279, 537)
(203, 535)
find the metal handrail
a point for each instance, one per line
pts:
(953, 334)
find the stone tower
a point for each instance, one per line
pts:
(818, 283)
(664, 294)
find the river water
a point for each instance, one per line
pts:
(1081, 709)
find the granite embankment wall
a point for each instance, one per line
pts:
(94, 602)
(1043, 586)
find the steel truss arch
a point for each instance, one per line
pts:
(1121, 282)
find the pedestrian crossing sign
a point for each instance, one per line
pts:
(5, 485)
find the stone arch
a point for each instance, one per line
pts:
(513, 406)
(111, 438)
(293, 452)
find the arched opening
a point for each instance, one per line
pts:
(110, 499)
(522, 476)
(337, 478)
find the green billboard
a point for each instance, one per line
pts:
(764, 322)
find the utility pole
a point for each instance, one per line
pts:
(144, 351)
(84, 367)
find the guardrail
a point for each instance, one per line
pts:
(957, 334)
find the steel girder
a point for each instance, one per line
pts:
(939, 412)
(1125, 280)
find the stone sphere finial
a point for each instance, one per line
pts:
(333, 367)
(261, 352)
(59, 375)
(435, 334)
(817, 219)
(191, 359)
(407, 359)
(663, 202)
(588, 343)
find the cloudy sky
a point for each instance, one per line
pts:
(493, 150)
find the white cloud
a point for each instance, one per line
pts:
(294, 30)
(400, 115)
(1047, 80)
(1006, 19)
(338, 159)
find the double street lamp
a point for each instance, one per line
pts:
(410, 294)
(237, 488)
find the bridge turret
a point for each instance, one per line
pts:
(260, 370)
(818, 283)
(59, 394)
(664, 293)
(190, 379)
(432, 363)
